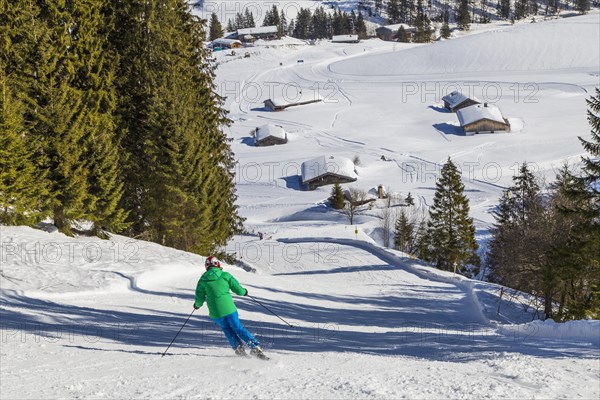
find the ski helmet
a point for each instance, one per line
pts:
(212, 261)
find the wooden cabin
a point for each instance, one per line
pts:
(323, 171)
(456, 100)
(389, 33)
(226, 43)
(269, 135)
(482, 118)
(260, 32)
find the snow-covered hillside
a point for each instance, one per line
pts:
(90, 318)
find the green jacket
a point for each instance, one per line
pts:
(213, 287)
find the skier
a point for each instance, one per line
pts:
(213, 287)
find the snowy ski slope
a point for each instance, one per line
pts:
(87, 318)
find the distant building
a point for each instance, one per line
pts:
(390, 32)
(456, 100)
(226, 43)
(260, 32)
(280, 104)
(269, 135)
(345, 39)
(481, 118)
(321, 171)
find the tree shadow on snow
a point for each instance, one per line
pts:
(383, 325)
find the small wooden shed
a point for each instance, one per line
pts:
(456, 100)
(269, 135)
(321, 171)
(226, 43)
(482, 118)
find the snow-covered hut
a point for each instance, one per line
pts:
(226, 43)
(321, 171)
(482, 118)
(269, 135)
(456, 100)
(283, 102)
(259, 32)
(345, 39)
(390, 32)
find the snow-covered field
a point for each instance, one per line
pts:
(87, 318)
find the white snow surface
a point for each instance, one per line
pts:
(89, 318)
(367, 323)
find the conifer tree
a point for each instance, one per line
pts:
(230, 25)
(520, 9)
(591, 165)
(338, 201)
(55, 112)
(216, 30)
(240, 21)
(445, 30)
(404, 233)
(179, 187)
(283, 27)
(402, 35)
(23, 187)
(450, 230)
(94, 65)
(504, 8)
(406, 11)
(463, 18)
(249, 19)
(275, 14)
(422, 25)
(361, 27)
(516, 246)
(410, 201)
(393, 11)
(583, 6)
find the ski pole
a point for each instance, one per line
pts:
(188, 318)
(266, 308)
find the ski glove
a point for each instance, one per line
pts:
(196, 307)
(246, 294)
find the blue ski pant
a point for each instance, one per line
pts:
(235, 331)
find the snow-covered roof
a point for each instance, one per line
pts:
(321, 165)
(225, 42)
(395, 27)
(455, 98)
(258, 30)
(265, 131)
(477, 112)
(296, 97)
(344, 38)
